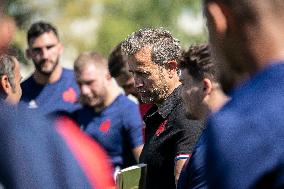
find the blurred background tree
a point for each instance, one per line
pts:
(100, 25)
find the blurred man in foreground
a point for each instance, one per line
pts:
(10, 76)
(245, 138)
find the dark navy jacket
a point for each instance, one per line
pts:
(33, 154)
(245, 141)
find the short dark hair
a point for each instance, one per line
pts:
(7, 66)
(117, 63)
(38, 28)
(198, 62)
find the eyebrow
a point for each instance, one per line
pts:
(139, 70)
(45, 46)
(85, 81)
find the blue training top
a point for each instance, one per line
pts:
(34, 155)
(245, 139)
(113, 127)
(59, 96)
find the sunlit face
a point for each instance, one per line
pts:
(45, 51)
(92, 82)
(151, 80)
(16, 91)
(193, 95)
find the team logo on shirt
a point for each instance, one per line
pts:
(69, 95)
(32, 104)
(105, 125)
(161, 128)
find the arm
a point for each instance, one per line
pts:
(137, 151)
(187, 132)
(178, 167)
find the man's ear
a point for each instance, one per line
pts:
(219, 14)
(108, 76)
(5, 84)
(207, 86)
(172, 68)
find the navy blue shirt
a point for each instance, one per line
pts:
(33, 155)
(115, 125)
(245, 141)
(59, 96)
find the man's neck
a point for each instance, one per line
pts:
(47, 79)
(217, 100)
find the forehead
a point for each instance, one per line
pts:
(90, 71)
(142, 59)
(47, 38)
(143, 55)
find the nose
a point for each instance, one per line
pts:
(138, 82)
(84, 89)
(44, 53)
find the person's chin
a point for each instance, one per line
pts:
(45, 70)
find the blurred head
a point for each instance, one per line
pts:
(153, 55)
(10, 77)
(93, 78)
(7, 29)
(199, 80)
(228, 23)
(44, 47)
(119, 69)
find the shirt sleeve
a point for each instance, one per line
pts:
(187, 132)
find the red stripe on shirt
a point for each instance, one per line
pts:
(91, 157)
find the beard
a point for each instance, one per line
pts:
(40, 67)
(156, 94)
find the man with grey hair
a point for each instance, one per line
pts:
(169, 135)
(10, 79)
